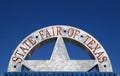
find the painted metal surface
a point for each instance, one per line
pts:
(60, 60)
(59, 74)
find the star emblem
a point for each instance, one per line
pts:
(59, 61)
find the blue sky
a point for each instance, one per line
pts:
(19, 18)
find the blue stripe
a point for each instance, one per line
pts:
(60, 74)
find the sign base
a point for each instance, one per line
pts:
(60, 74)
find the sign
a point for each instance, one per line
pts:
(60, 60)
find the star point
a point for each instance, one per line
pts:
(60, 51)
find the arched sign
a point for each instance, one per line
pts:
(60, 60)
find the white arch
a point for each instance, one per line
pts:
(85, 40)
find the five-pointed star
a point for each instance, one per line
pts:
(59, 61)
